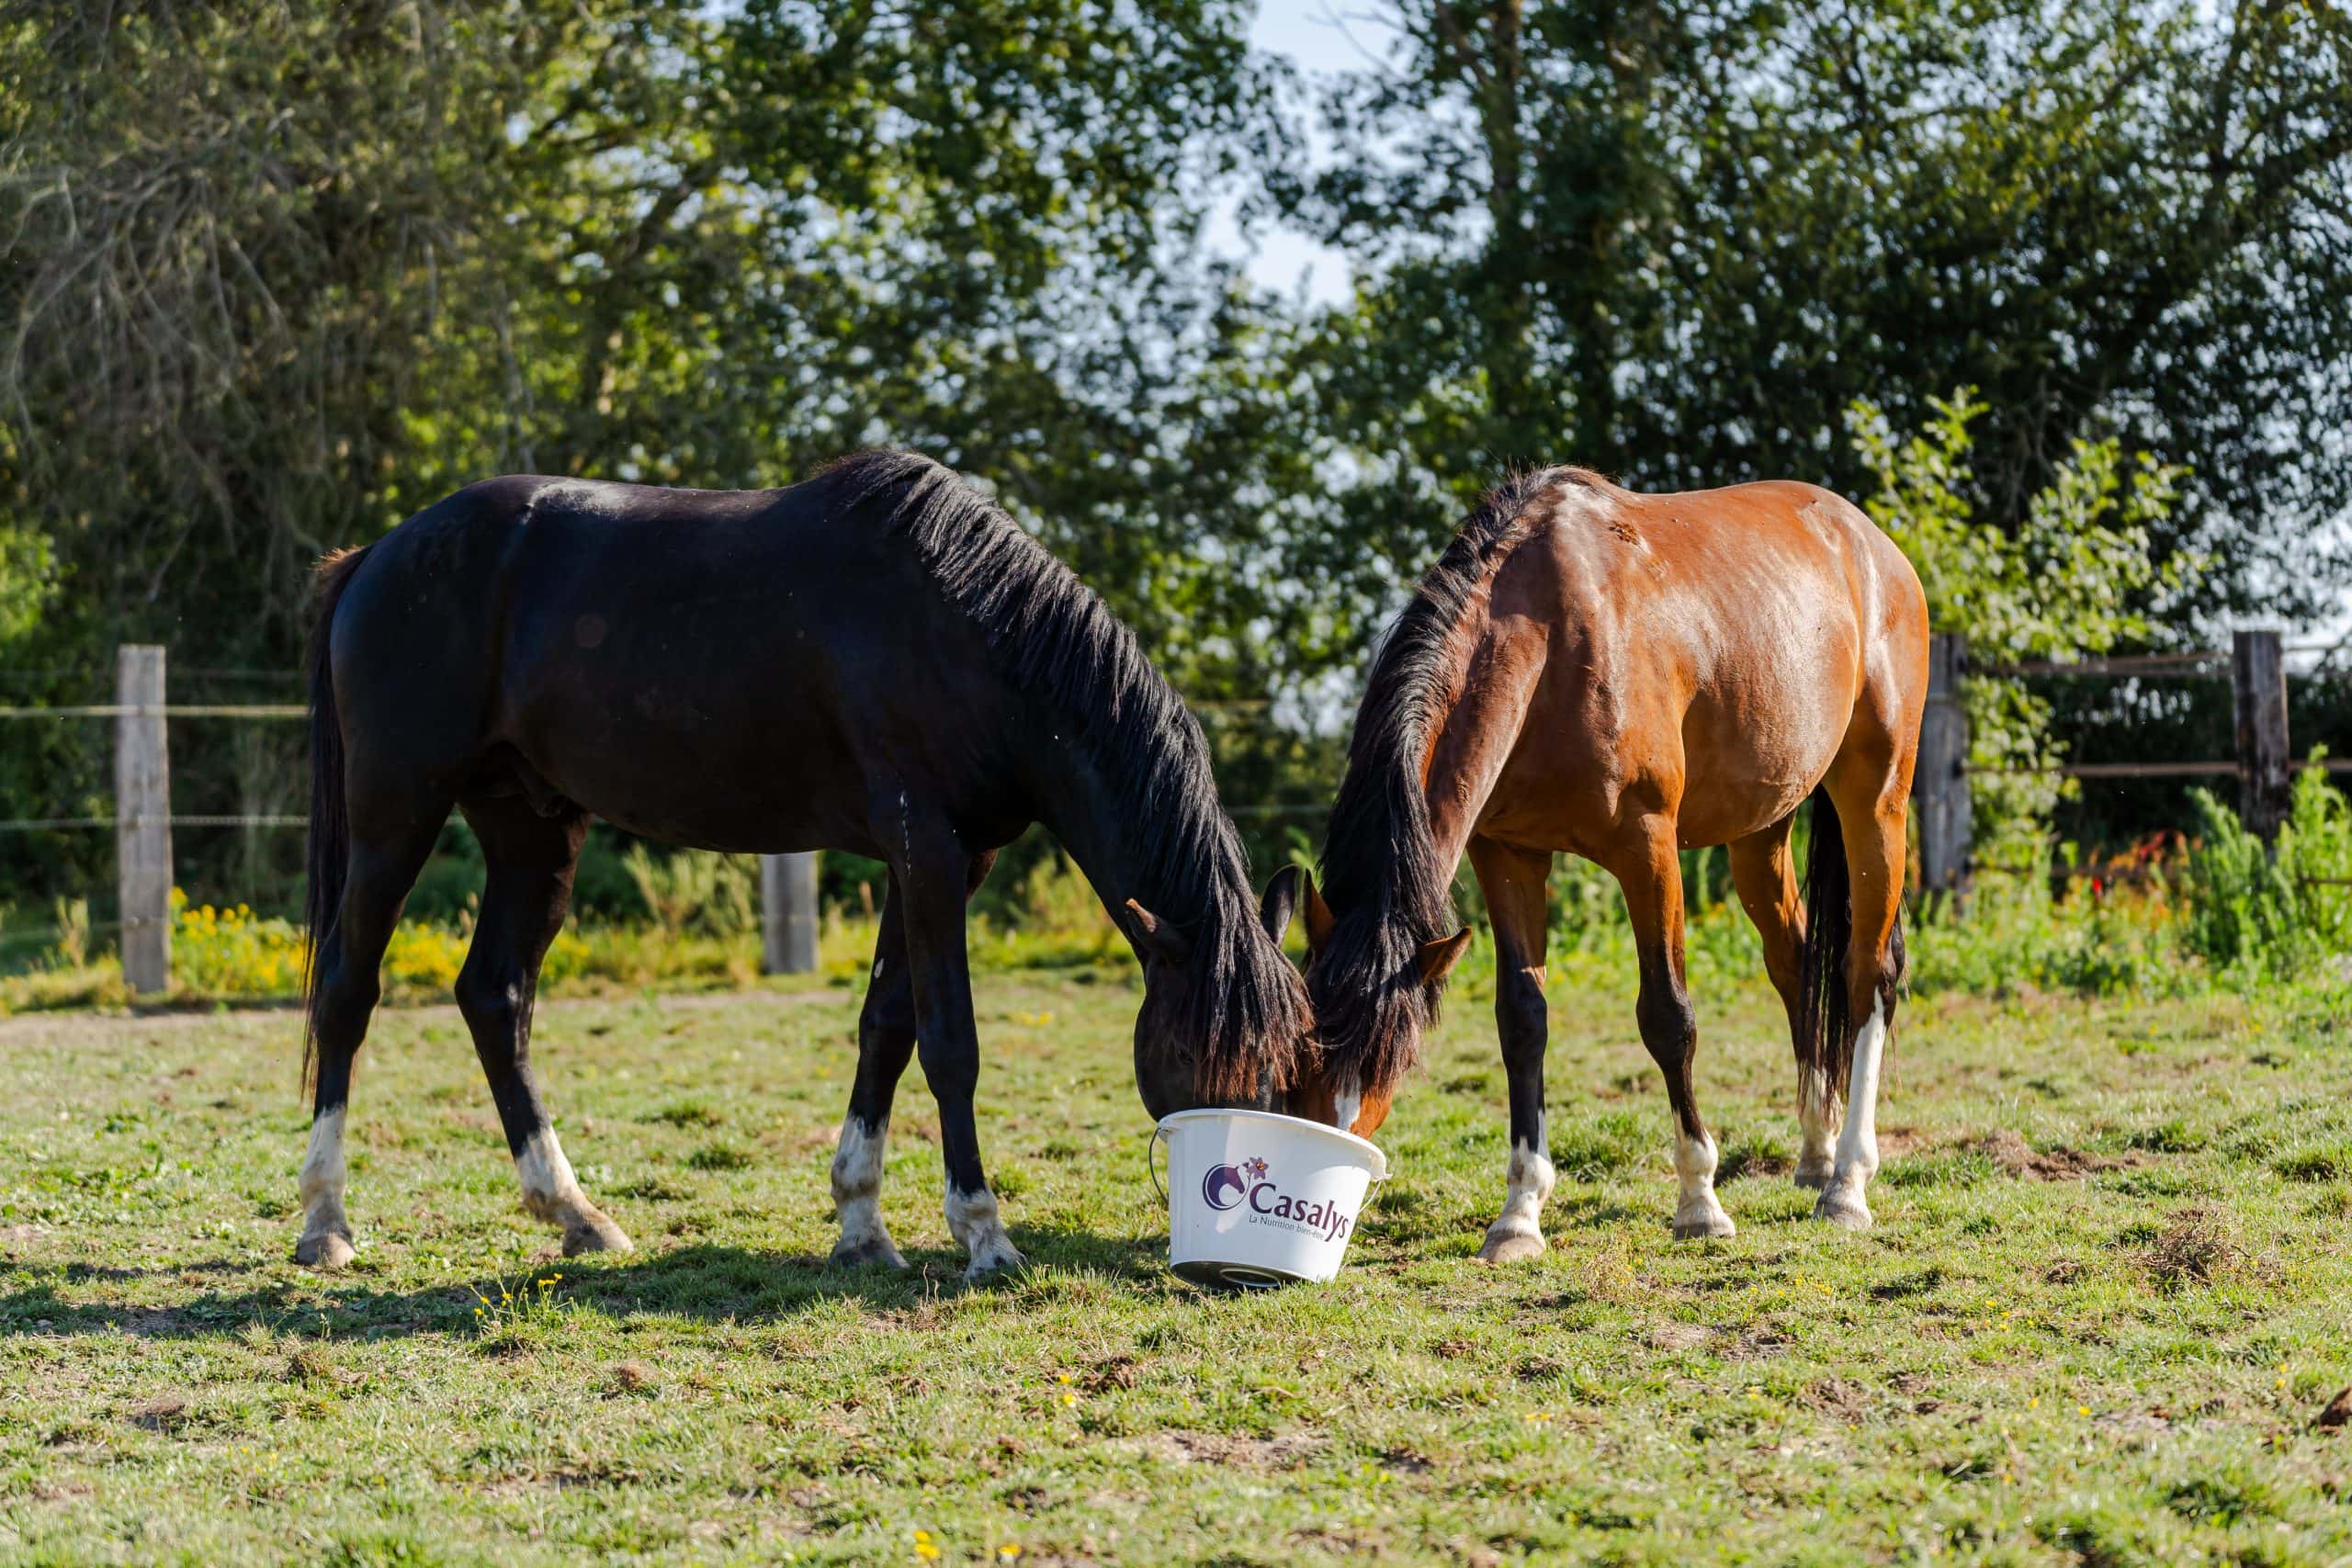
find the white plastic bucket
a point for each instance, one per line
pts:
(1257, 1200)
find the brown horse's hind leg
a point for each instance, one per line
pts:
(1652, 877)
(531, 859)
(886, 1041)
(1765, 875)
(1871, 816)
(1513, 880)
(383, 864)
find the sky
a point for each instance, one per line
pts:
(1320, 38)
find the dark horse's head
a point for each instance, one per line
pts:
(1225, 1020)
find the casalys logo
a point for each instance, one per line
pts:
(1227, 1187)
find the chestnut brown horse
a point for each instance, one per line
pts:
(877, 661)
(1621, 677)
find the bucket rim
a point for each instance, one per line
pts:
(1379, 1158)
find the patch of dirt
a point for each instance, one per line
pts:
(2014, 1157)
(1836, 1398)
(2337, 1414)
(2197, 1247)
(1119, 1371)
(1285, 1452)
(1758, 1343)
(168, 1414)
(1677, 1336)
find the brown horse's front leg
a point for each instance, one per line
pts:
(1513, 882)
(1652, 879)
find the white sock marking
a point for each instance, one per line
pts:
(1529, 1181)
(1696, 1210)
(1858, 1143)
(857, 1188)
(973, 1220)
(1816, 1115)
(323, 1177)
(1347, 1104)
(549, 1187)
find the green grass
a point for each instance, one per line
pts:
(2105, 1301)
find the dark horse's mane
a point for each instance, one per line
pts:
(1052, 636)
(1382, 868)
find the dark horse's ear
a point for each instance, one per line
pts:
(1281, 902)
(1156, 937)
(1437, 958)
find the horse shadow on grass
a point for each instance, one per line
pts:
(697, 1283)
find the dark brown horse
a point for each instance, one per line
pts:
(877, 661)
(1623, 676)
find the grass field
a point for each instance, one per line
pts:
(2108, 1295)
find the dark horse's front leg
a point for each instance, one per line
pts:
(931, 869)
(885, 1041)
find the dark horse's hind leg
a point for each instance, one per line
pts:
(531, 859)
(382, 867)
(931, 870)
(886, 1039)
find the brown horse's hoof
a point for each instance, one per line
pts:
(590, 1231)
(1814, 1178)
(874, 1250)
(1843, 1207)
(1701, 1226)
(328, 1251)
(1511, 1247)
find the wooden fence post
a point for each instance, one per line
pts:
(2258, 702)
(1940, 783)
(788, 914)
(143, 817)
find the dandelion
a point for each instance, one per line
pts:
(2082, 1409)
(1069, 1398)
(1008, 1551)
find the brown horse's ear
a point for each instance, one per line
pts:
(1320, 918)
(1281, 901)
(1156, 937)
(1437, 958)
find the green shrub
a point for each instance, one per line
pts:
(697, 891)
(2272, 914)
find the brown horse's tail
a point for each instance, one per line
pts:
(329, 832)
(1825, 1054)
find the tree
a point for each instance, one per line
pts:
(1675, 240)
(275, 272)
(2061, 584)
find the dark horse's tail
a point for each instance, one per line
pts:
(330, 852)
(1825, 1022)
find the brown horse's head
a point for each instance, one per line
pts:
(1373, 982)
(1225, 1020)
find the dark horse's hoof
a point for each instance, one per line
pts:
(875, 1251)
(590, 1231)
(329, 1250)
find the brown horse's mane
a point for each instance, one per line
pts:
(1382, 872)
(1052, 636)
